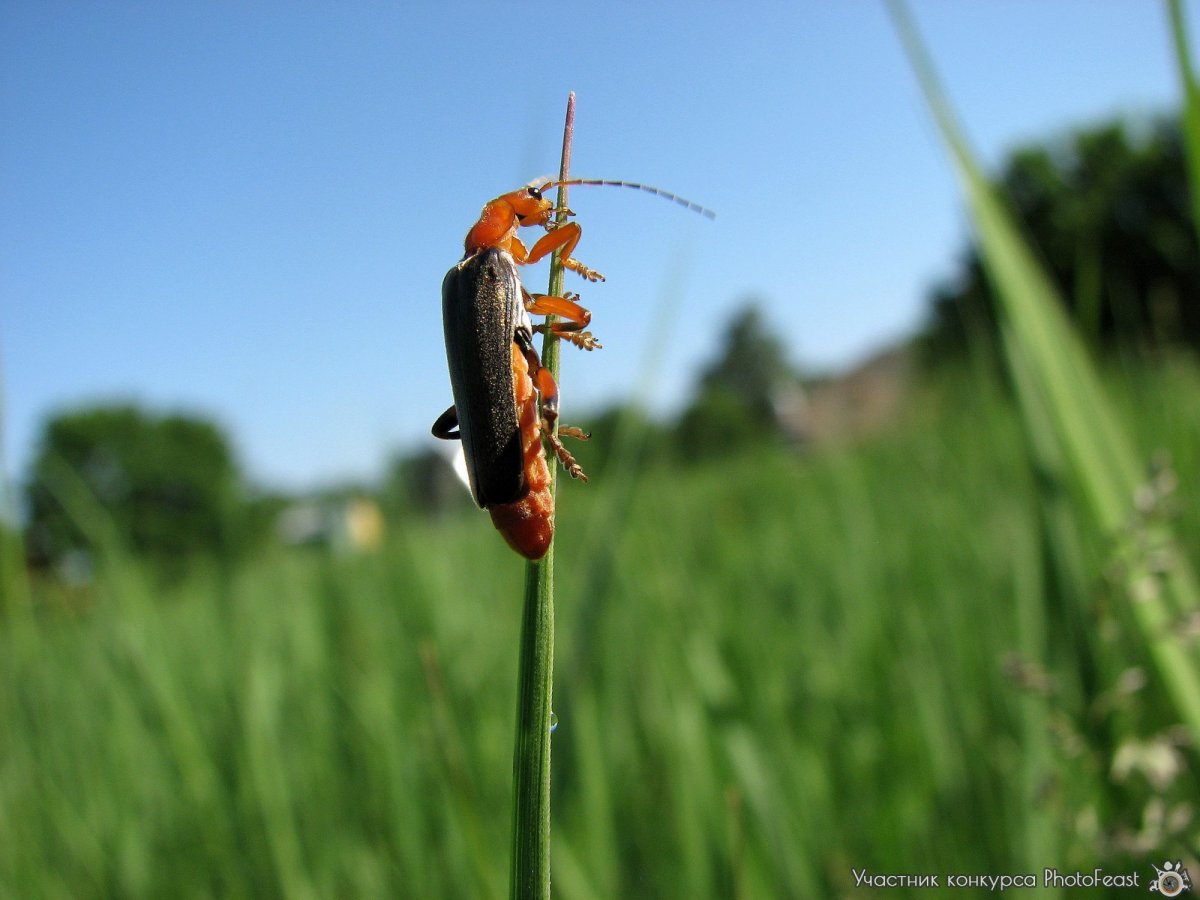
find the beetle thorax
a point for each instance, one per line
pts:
(497, 226)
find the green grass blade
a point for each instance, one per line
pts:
(531, 765)
(1191, 104)
(1100, 455)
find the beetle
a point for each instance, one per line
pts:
(496, 375)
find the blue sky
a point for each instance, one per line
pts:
(246, 210)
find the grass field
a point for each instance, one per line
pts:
(770, 673)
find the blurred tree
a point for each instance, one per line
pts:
(739, 393)
(1107, 209)
(166, 487)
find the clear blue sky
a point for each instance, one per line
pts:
(246, 210)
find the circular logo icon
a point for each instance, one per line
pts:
(1170, 884)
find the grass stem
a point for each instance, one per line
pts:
(531, 762)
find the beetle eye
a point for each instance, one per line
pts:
(535, 193)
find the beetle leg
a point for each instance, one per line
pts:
(576, 316)
(584, 340)
(446, 426)
(563, 238)
(547, 389)
(571, 431)
(548, 305)
(517, 250)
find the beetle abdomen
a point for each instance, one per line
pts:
(528, 524)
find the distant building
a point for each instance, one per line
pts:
(345, 525)
(850, 406)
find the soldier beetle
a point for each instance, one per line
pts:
(496, 375)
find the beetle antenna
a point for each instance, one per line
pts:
(658, 192)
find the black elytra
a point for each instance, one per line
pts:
(483, 314)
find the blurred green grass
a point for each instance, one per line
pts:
(770, 671)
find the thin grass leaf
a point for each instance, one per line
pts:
(1191, 104)
(1099, 453)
